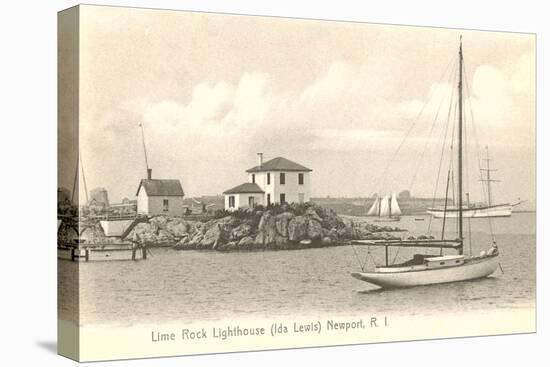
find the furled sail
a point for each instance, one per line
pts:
(375, 208)
(385, 207)
(395, 210)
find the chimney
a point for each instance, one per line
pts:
(260, 159)
(149, 173)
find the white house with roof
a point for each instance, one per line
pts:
(160, 196)
(276, 181)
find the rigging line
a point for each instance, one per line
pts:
(396, 253)
(445, 208)
(430, 134)
(466, 160)
(143, 141)
(378, 181)
(470, 235)
(75, 181)
(468, 93)
(452, 158)
(369, 254)
(83, 176)
(443, 145)
(484, 190)
(357, 257)
(476, 140)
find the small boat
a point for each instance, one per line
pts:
(434, 269)
(385, 209)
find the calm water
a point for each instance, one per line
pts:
(192, 285)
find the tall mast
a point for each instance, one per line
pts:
(144, 149)
(460, 230)
(488, 178)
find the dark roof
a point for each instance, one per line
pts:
(157, 187)
(245, 188)
(279, 164)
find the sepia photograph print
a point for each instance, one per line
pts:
(236, 183)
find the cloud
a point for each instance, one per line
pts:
(338, 111)
(221, 125)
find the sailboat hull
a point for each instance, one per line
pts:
(474, 268)
(387, 219)
(504, 210)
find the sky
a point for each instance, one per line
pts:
(212, 90)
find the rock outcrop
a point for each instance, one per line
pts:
(276, 227)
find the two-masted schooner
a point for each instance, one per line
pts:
(385, 209)
(478, 210)
(434, 269)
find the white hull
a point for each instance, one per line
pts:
(409, 277)
(504, 210)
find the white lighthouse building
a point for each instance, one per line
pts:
(276, 181)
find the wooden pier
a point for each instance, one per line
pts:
(102, 252)
(80, 251)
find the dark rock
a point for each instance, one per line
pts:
(246, 243)
(281, 223)
(211, 236)
(178, 228)
(230, 246)
(267, 229)
(241, 231)
(314, 229)
(312, 214)
(347, 233)
(297, 228)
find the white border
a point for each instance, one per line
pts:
(28, 179)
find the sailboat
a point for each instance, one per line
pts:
(479, 210)
(434, 269)
(385, 209)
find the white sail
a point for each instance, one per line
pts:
(374, 209)
(385, 207)
(395, 210)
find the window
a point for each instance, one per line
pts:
(165, 205)
(269, 178)
(231, 201)
(301, 198)
(253, 178)
(300, 178)
(268, 199)
(282, 199)
(442, 263)
(282, 178)
(251, 201)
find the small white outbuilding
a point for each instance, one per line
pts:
(160, 196)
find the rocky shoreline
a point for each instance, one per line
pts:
(280, 227)
(275, 228)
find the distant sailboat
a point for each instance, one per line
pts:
(478, 210)
(385, 209)
(375, 208)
